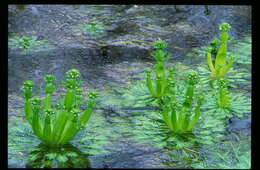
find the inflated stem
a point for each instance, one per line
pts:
(210, 63)
(222, 52)
(174, 120)
(186, 119)
(189, 96)
(69, 98)
(221, 66)
(70, 131)
(28, 111)
(37, 124)
(48, 101)
(166, 117)
(47, 128)
(195, 117)
(86, 115)
(224, 99)
(160, 79)
(60, 124)
(228, 66)
(149, 82)
(192, 79)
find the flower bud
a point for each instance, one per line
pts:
(224, 27)
(192, 78)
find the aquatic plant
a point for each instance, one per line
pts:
(220, 66)
(67, 156)
(25, 42)
(183, 117)
(227, 155)
(94, 28)
(57, 125)
(243, 51)
(224, 99)
(240, 105)
(161, 79)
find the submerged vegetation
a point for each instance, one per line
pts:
(25, 42)
(67, 156)
(56, 125)
(94, 28)
(192, 107)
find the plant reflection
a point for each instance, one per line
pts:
(67, 156)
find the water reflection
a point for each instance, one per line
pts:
(67, 156)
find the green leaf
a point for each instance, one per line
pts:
(72, 154)
(51, 156)
(62, 158)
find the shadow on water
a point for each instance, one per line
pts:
(67, 156)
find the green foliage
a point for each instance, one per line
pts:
(94, 28)
(239, 106)
(228, 155)
(160, 54)
(224, 99)
(25, 42)
(243, 51)
(162, 80)
(92, 139)
(57, 125)
(66, 156)
(182, 117)
(178, 116)
(219, 67)
(235, 77)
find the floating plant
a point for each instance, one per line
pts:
(25, 42)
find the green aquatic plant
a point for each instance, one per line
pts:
(67, 156)
(183, 117)
(94, 28)
(160, 54)
(239, 106)
(25, 42)
(224, 99)
(57, 125)
(243, 51)
(220, 66)
(161, 79)
(227, 155)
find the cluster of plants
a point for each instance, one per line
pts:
(218, 62)
(25, 42)
(56, 124)
(184, 100)
(181, 115)
(220, 83)
(240, 71)
(181, 107)
(177, 103)
(91, 140)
